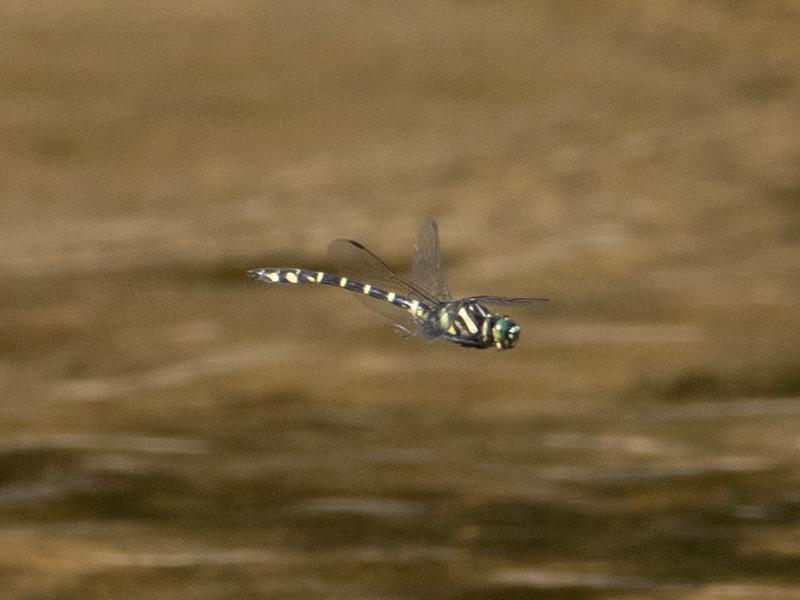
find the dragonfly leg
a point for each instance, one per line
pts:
(402, 331)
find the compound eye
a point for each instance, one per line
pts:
(500, 329)
(502, 332)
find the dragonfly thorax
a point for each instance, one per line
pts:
(469, 323)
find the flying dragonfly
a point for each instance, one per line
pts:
(418, 306)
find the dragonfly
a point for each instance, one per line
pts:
(420, 305)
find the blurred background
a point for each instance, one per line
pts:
(172, 429)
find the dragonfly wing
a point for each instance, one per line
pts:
(353, 260)
(427, 270)
(505, 300)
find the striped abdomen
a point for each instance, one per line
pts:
(295, 276)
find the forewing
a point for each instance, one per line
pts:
(427, 269)
(354, 261)
(505, 300)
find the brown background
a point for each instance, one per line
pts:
(171, 429)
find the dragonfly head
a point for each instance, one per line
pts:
(505, 333)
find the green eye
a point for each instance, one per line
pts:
(500, 329)
(505, 333)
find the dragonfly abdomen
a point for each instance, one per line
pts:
(284, 276)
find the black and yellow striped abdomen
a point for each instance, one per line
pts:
(285, 276)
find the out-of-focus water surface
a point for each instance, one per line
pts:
(171, 429)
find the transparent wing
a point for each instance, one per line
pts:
(354, 261)
(427, 270)
(505, 300)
